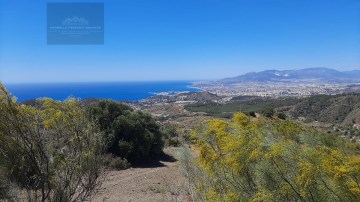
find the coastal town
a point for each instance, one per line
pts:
(277, 89)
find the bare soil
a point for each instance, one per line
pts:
(161, 181)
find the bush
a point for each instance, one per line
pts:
(175, 142)
(273, 160)
(252, 113)
(131, 134)
(169, 131)
(115, 163)
(4, 191)
(51, 152)
(171, 135)
(281, 115)
(268, 112)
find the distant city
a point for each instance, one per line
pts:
(287, 83)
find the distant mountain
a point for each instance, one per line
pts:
(310, 74)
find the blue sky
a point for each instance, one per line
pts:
(183, 40)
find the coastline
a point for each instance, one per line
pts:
(120, 91)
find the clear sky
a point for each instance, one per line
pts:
(183, 40)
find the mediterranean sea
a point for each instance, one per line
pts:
(124, 91)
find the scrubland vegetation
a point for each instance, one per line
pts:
(48, 153)
(131, 135)
(335, 109)
(58, 151)
(261, 159)
(247, 105)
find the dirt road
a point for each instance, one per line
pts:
(163, 182)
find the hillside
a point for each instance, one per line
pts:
(340, 109)
(190, 96)
(310, 74)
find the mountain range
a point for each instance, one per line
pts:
(321, 74)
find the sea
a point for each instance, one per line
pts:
(122, 91)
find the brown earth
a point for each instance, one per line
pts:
(162, 181)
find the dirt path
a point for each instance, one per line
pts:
(162, 183)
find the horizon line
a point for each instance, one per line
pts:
(112, 81)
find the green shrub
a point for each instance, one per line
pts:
(252, 113)
(3, 186)
(171, 135)
(281, 115)
(116, 163)
(175, 142)
(131, 134)
(268, 112)
(169, 131)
